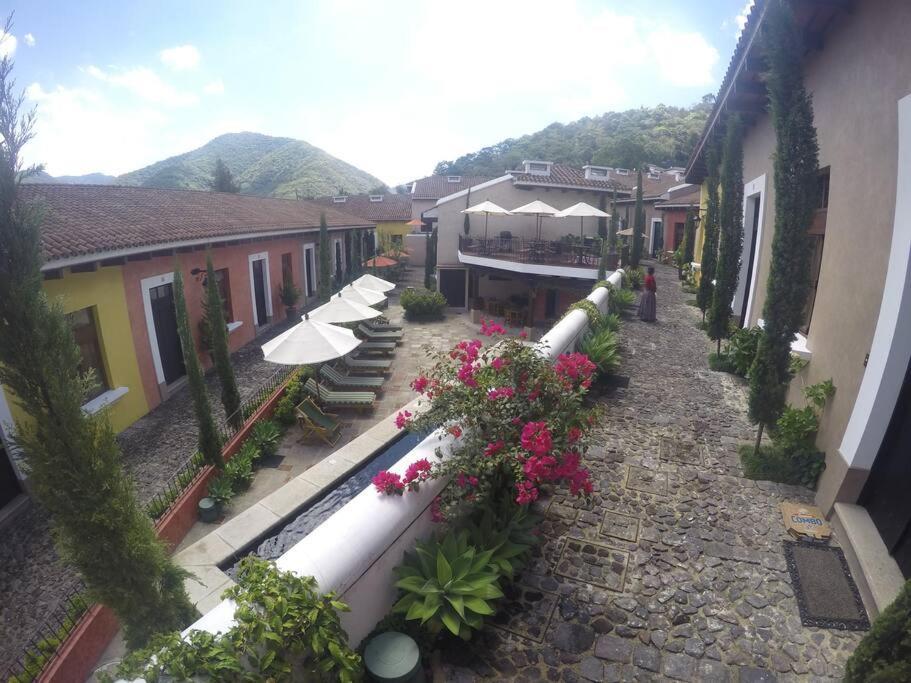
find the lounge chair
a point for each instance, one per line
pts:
(345, 381)
(382, 326)
(378, 365)
(314, 422)
(340, 399)
(374, 335)
(376, 347)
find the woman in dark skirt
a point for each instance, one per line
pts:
(647, 304)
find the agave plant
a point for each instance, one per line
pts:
(448, 583)
(221, 490)
(508, 532)
(609, 321)
(619, 299)
(602, 349)
(265, 436)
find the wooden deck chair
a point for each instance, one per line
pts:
(377, 365)
(345, 381)
(376, 347)
(340, 399)
(373, 335)
(314, 422)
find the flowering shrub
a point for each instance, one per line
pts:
(518, 422)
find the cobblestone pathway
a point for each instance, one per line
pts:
(675, 571)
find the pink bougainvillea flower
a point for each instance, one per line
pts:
(523, 335)
(494, 447)
(401, 419)
(490, 328)
(388, 483)
(455, 430)
(574, 366)
(498, 363)
(466, 375)
(418, 471)
(527, 492)
(516, 421)
(436, 512)
(573, 435)
(420, 384)
(500, 392)
(536, 438)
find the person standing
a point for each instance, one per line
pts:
(647, 302)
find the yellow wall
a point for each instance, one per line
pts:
(386, 229)
(104, 290)
(700, 229)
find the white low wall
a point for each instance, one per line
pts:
(354, 551)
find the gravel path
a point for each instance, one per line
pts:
(675, 570)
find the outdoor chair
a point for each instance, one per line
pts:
(314, 422)
(382, 326)
(373, 335)
(376, 347)
(340, 399)
(345, 381)
(378, 365)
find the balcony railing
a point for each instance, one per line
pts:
(581, 254)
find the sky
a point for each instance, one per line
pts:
(392, 87)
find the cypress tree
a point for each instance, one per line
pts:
(639, 224)
(222, 180)
(209, 440)
(710, 230)
(325, 277)
(796, 163)
(614, 222)
(430, 260)
(730, 219)
(357, 254)
(602, 222)
(602, 264)
(217, 329)
(466, 220)
(73, 461)
(689, 237)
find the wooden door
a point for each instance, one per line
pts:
(164, 318)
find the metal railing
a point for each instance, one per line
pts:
(579, 254)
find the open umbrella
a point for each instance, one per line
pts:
(628, 232)
(362, 296)
(537, 209)
(373, 282)
(583, 211)
(380, 262)
(487, 208)
(341, 310)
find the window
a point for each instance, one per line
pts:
(224, 291)
(376, 198)
(86, 333)
(397, 241)
(287, 272)
(339, 200)
(654, 176)
(817, 235)
(537, 168)
(622, 171)
(453, 179)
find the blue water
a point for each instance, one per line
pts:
(273, 544)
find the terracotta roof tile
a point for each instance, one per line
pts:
(436, 186)
(569, 176)
(85, 220)
(391, 207)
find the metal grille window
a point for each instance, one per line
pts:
(85, 332)
(817, 235)
(224, 291)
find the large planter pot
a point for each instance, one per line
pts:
(612, 262)
(393, 657)
(291, 312)
(208, 510)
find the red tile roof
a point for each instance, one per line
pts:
(562, 175)
(390, 207)
(436, 186)
(92, 220)
(686, 196)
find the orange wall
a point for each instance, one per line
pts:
(671, 218)
(235, 259)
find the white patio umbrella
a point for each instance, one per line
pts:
(486, 207)
(365, 297)
(340, 310)
(538, 209)
(378, 284)
(583, 211)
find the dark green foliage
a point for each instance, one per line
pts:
(730, 220)
(771, 463)
(221, 489)
(209, 440)
(620, 299)
(73, 459)
(884, 655)
(217, 336)
(739, 352)
(423, 304)
(689, 237)
(239, 469)
(602, 349)
(721, 362)
(591, 312)
(633, 278)
(264, 166)
(297, 637)
(222, 180)
(796, 168)
(508, 530)
(357, 255)
(709, 258)
(324, 286)
(612, 228)
(602, 262)
(265, 435)
(662, 134)
(602, 222)
(430, 261)
(638, 224)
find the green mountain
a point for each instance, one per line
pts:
(261, 165)
(87, 179)
(659, 135)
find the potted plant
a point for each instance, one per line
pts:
(289, 294)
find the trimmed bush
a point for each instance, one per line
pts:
(884, 655)
(602, 349)
(422, 304)
(772, 463)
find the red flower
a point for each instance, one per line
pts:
(455, 430)
(573, 435)
(524, 335)
(536, 438)
(436, 514)
(527, 492)
(419, 470)
(388, 483)
(500, 392)
(490, 328)
(574, 366)
(498, 363)
(402, 419)
(494, 447)
(420, 384)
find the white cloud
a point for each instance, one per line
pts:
(683, 59)
(741, 19)
(180, 58)
(29, 39)
(146, 84)
(216, 87)
(7, 44)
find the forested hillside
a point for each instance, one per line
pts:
(660, 135)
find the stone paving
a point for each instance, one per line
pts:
(675, 569)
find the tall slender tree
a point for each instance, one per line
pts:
(222, 179)
(612, 228)
(217, 330)
(72, 458)
(357, 254)
(602, 222)
(325, 276)
(689, 236)
(709, 257)
(209, 440)
(430, 260)
(730, 218)
(466, 221)
(639, 224)
(796, 166)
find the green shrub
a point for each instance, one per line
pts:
(602, 349)
(591, 312)
(884, 655)
(284, 412)
(249, 451)
(508, 530)
(619, 300)
(741, 348)
(772, 463)
(221, 489)
(633, 278)
(448, 584)
(284, 630)
(265, 436)
(721, 362)
(609, 321)
(239, 470)
(602, 283)
(422, 304)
